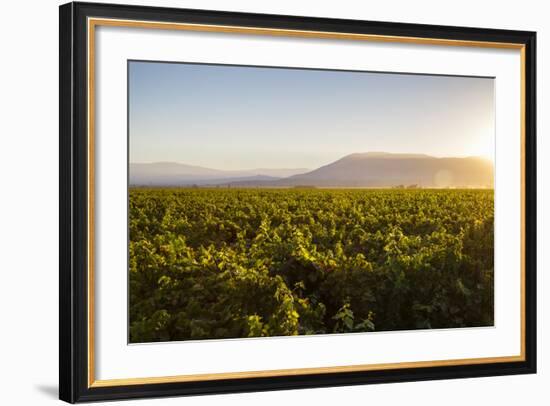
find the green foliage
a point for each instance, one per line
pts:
(222, 263)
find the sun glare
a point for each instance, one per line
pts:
(485, 146)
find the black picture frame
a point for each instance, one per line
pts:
(74, 199)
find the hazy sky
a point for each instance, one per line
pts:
(228, 117)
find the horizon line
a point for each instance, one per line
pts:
(423, 155)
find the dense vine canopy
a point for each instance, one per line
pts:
(223, 263)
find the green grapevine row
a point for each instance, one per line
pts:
(223, 263)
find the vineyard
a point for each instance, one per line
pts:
(227, 263)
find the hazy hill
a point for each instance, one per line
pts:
(378, 169)
(371, 169)
(381, 169)
(178, 174)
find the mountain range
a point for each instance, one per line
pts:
(178, 174)
(370, 169)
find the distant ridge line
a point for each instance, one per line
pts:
(366, 169)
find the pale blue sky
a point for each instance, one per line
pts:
(237, 117)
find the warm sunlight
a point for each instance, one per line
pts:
(485, 147)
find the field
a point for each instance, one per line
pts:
(227, 263)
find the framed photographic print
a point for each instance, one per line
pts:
(257, 202)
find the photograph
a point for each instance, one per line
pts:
(283, 201)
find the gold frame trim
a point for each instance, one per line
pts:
(94, 22)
